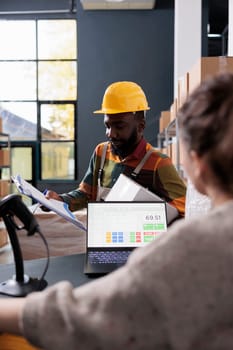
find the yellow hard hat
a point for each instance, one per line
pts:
(122, 97)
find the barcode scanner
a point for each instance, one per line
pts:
(17, 216)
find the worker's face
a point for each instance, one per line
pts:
(124, 131)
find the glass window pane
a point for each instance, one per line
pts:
(57, 160)
(57, 80)
(17, 40)
(57, 39)
(19, 119)
(57, 121)
(22, 162)
(18, 81)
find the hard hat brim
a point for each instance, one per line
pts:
(113, 111)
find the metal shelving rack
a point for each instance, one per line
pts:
(164, 139)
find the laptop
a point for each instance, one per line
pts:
(114, 229)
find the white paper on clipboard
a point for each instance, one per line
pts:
(125, 189)
(60, 208)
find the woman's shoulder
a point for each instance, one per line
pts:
(210, 233)
(216, 221)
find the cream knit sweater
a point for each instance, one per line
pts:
(176, 293)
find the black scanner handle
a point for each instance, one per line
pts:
(12, 205)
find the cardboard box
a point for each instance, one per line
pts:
(164, 120)
(4, 157)
(207, 67)
(174, 151)
(169, 150)
(173, 110)
(177, 158)
(181, 154)
(4, 188)
(183, 90)
(3, 235)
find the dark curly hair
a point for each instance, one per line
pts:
(206, 126)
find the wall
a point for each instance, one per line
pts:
(123, 45)
(188, 29)
(191, 19)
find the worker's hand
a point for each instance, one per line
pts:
(54, 195)
(50, 195)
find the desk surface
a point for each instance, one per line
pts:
(68, 268)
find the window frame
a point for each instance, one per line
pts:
(37, 174)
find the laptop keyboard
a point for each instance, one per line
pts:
(108, 257)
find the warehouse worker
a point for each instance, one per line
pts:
(124, 108)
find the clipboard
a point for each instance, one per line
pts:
(60, 208)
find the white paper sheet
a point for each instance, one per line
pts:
(125, 189)
(61, 208)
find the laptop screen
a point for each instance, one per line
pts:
(124, 224)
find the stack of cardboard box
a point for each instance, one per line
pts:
(205, 68)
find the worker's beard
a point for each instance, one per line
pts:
(124, 147)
